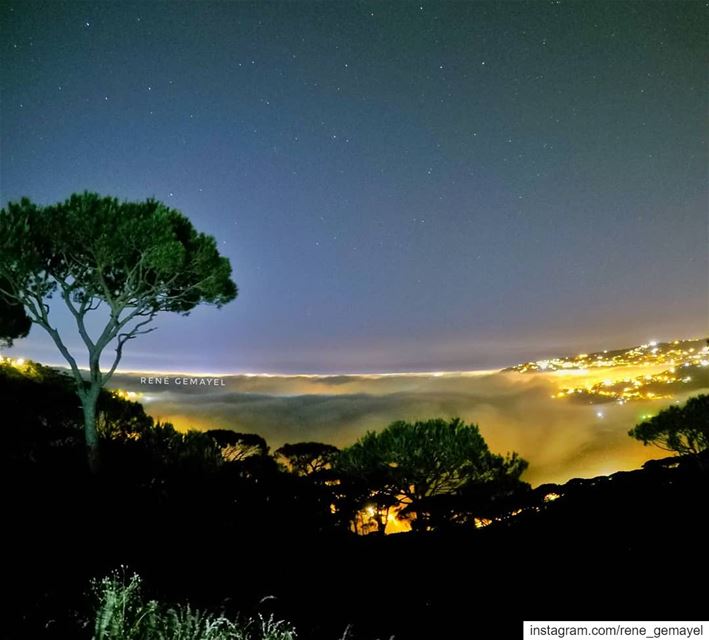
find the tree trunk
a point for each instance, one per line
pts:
(382, 522)
(89, 401)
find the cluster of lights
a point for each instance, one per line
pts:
(674, 354)
(685, 361)
(18, 363)
(659, 386)
(370, 516)
(133, 396)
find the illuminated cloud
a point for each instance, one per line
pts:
(561, 439)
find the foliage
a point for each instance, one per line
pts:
(406, 465)
(164, 450)
(47, 421)
(123, 614)
(139, 255)
(14, 322)
(682, 429)
(39, 394)
(236, 447)
(44, 409)
(308, 458)
(120, 419)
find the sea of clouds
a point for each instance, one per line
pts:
(560, 438)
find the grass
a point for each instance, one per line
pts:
(122, 613)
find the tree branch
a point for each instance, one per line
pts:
(123, 338)
(78, 315)
(39, 313)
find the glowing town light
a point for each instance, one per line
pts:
(653, 343)
(599, 414)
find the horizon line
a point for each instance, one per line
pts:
(202, 374)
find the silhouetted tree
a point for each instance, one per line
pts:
(162, 452)
(46, 412)
(493, 497)
(367, 489)
(122, 261)
(237, 447)
(14, 322)
(682, 429)
(119, 418)
(406, 465)
(308, 458)
(40, 410)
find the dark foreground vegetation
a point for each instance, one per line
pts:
(218, 521)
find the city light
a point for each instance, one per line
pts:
(685, 360)
(133, 396)
(18, 363)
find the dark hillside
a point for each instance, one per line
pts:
(228, 535)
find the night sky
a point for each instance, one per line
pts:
(399, 186)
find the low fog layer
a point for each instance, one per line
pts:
(515, 412)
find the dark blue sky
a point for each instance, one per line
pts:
(398, 186)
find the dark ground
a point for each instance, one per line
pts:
(257, 539)
(632, 546)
